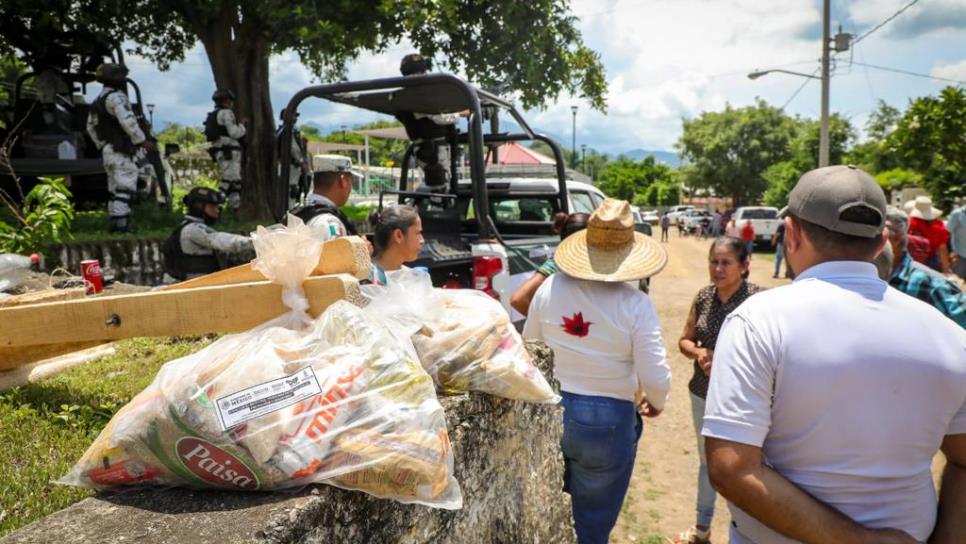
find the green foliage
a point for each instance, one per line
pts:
(929, 139)
(45, 427)
(805, 143)
(381, 150)
(729, 151)
(873, 155)
(627, 179)
(662, 193)
(898, 178)
(44, 219)
(780, 178)
(185, 136)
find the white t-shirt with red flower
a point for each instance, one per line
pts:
(606, 338)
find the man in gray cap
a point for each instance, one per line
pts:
(830, 396)
(332, 186)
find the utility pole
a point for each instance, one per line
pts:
(573, 143)
(823, 135)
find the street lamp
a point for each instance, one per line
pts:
(151, 115)
(343, 134)
(583, 157)
(573, 143)
(841, 43)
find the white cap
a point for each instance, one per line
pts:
(331, 163)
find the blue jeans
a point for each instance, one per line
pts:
(779, 254)
(706, 493)
(599, 445)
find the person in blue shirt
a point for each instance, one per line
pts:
(917, 279)
(957, 233)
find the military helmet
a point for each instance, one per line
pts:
(202, 196)
(414, 64)
(223, 94)
(111, 73)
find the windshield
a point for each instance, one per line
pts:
(759, 213)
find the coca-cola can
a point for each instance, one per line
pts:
(91, 272)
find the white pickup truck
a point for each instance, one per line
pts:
(763, 218)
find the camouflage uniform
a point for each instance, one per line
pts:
(118, 157)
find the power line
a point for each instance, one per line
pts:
(802, 86)
(883, 23)
(908, 73)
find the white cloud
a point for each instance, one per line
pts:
(952, 70)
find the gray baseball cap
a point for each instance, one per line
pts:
(821, 195)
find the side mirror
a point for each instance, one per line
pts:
(171, 149)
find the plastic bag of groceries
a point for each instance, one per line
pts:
(463, 338)
(335, 402)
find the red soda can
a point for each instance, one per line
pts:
(91, 272)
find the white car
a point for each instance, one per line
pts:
(692, 218)
(651, 217)
(675, 212)
(763, 218)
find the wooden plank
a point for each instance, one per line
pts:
(47, 295)
(51, 367)
(223, 308)
(348, 255)
(23, 355)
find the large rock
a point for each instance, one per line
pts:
(508, 464)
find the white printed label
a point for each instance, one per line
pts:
(266, 398)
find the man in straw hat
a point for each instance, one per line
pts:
(830, 396)
(924, 220)
(607, 346)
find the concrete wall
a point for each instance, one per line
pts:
(508, 464)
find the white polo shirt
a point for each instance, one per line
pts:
(606, 338)
(849, 387)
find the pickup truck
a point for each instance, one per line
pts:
(482, 232)
(763, 218)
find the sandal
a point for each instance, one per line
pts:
(693, 536)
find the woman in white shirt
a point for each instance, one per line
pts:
(397, 239)
(607, 347)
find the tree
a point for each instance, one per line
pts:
(781, 177)
(481, 39)
(929, 138)
(728, 151)
(626, 179)
(872, 154)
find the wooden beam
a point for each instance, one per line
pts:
(348, 255)
(47, 295)
(35, 372)
(223, 308)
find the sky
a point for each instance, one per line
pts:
(665, 60)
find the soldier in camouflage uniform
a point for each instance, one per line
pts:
(114, 128)
(194, 248)
(226, 135)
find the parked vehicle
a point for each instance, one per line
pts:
(675, 212)
(651, 217)
(487, 233)
(640, 224)
(763, 218)
(693, 218)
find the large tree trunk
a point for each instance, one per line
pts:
(239, 56)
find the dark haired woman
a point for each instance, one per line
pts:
(728, 262)
(565, 225)
(397, 239)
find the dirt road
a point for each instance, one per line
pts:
(661, 500)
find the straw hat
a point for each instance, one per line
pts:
(610, 250)
(922, 208)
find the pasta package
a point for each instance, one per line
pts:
(338, 402)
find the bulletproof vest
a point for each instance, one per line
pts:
(108, 128)
(214, 130)
(297, 138)
(423, 128)
(309, 211)
(180, 265)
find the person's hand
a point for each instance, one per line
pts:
(704, 360)
(646, 409)
(149, 145)
(889, 536)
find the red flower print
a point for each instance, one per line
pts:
(575, 326)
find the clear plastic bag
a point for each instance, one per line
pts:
(13, 270)
(273, 408)
(295, 401)
(463, 338)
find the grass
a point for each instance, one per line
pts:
(45, 427)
